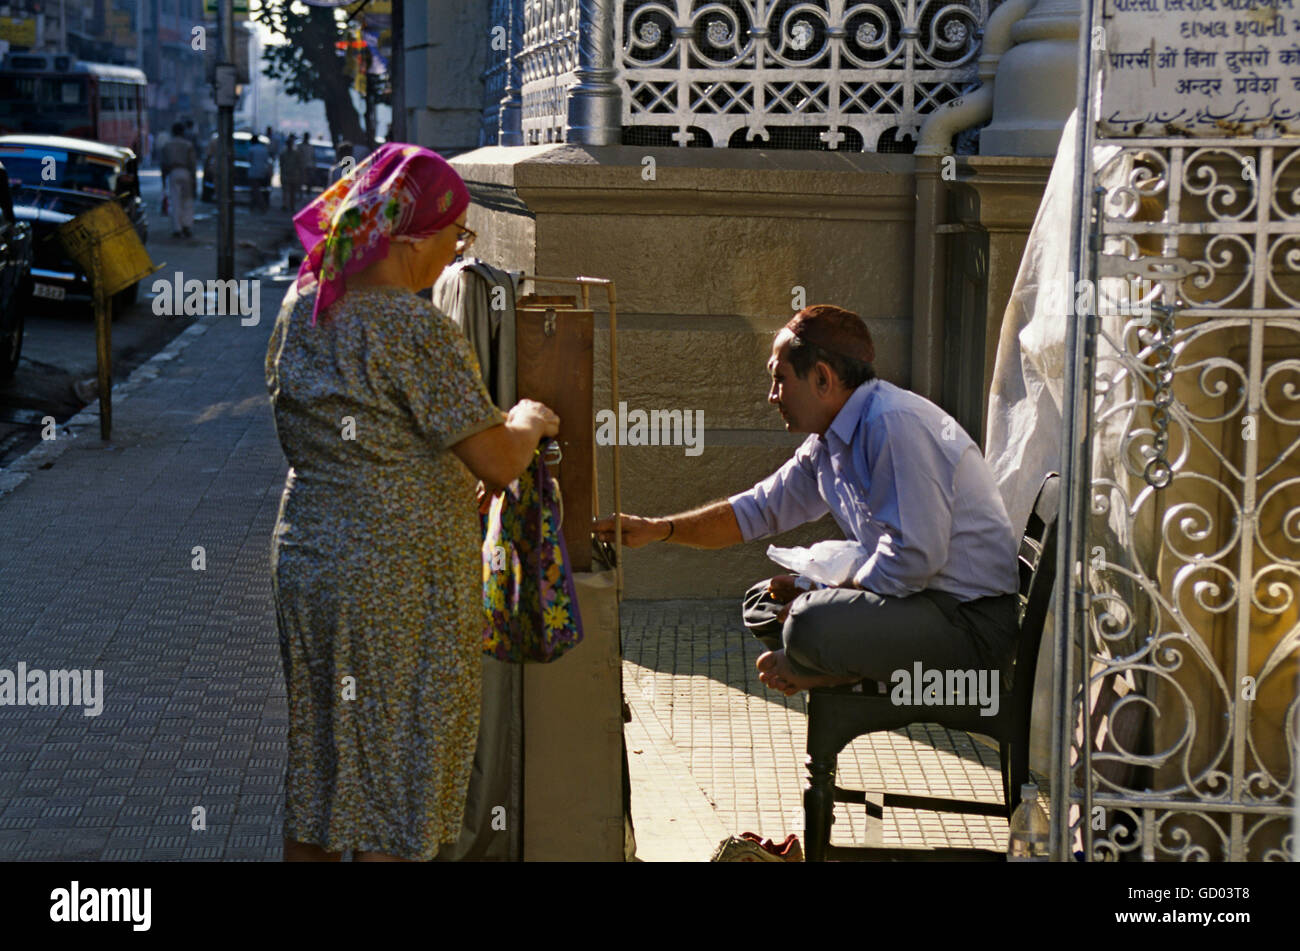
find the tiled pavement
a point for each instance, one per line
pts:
(721, 754)
(96, 571)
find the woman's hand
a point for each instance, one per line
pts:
(533, 415)
(499, 455)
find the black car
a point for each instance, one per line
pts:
(15, 279)
(242, 142)
(325, 156)
(54, 179)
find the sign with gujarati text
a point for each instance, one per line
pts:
(1200, 67)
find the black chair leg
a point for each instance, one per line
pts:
(1004, 755)
(1019, 771)
(818, 807)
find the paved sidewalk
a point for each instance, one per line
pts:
(96, 566)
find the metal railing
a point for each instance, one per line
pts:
(853, 74)
(500, 123)
(548, 60)
(842, 72)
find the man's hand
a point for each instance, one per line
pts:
(782, 589)
(637, 531)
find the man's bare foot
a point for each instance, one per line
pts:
(776, 671)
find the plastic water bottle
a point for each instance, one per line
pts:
(1029, 828)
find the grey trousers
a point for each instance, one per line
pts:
(850, 632)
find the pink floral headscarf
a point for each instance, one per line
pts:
(398, 189)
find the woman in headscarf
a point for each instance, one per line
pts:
(385, 421)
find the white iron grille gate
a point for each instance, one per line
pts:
(1183, 640)
(736, 70)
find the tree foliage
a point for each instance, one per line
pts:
(307, 63)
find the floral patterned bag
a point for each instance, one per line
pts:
(528, 591)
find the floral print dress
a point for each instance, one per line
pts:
(376, 569)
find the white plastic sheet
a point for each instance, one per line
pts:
(832, 563)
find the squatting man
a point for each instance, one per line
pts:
(937, 577)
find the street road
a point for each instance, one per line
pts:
(58, 357)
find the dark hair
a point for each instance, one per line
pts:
(805, 355)
(178, 128)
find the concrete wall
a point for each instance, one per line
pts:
(706, 257)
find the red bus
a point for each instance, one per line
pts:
(57, 94)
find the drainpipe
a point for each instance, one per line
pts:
(929, 261)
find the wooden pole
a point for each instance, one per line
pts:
(103, 348)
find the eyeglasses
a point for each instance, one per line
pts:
(464, 239)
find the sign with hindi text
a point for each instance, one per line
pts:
(1200, 67)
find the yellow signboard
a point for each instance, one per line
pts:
(18, 32)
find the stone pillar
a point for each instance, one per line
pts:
(1036, 85)
(447, 45)
(595, 101)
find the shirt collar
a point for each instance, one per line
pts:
(846, 420)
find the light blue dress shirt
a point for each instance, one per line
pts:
(902, 478)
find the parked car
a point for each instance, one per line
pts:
(242, 141)
(15, 279)
(318, 176)
(53, 179)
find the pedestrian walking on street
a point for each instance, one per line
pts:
(376, 555)
(289, 176)
(345, 164)
(259, 174)
(180, 171)
(306, 165)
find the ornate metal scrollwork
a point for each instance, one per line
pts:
(845, 68)
(1186, 694)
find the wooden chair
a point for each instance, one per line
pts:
(838, 715)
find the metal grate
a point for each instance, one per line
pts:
(1188, 567)
(834, 74)
(858, 75)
